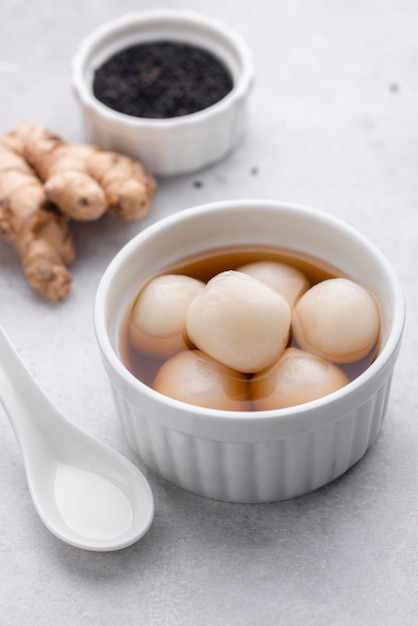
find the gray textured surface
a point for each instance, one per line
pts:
(333, 124)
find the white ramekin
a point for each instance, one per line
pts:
(267, 455)
(175, 145)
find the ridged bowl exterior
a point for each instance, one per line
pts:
(262, 471)
(260, 456)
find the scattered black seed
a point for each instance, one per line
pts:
(197, 184)
(161, 79)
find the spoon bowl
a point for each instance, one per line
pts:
(85, 493)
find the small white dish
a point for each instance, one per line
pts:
(168, 146)
(255, 456)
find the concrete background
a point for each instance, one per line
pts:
(333, 124)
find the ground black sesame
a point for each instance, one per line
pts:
(161, 79)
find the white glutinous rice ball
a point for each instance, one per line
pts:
(337, 319)
(193, 377)
(287, 280)
(239, 321)
(298, 377)
(158, 318)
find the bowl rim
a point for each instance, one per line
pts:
(323, 408)
(188, 18)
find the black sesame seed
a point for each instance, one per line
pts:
(161, 79)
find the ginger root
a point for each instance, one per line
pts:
(45, 182)
(37, 232)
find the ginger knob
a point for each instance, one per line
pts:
(45, 182)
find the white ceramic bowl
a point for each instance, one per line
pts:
(242, 456)
(174, 145)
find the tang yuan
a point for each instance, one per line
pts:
(158, 319)
(338, 320)
(193, 377)
(298, 377)
(287, 280)
(239, 321)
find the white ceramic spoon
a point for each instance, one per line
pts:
(85, 493)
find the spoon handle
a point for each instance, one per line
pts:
(22, 400)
